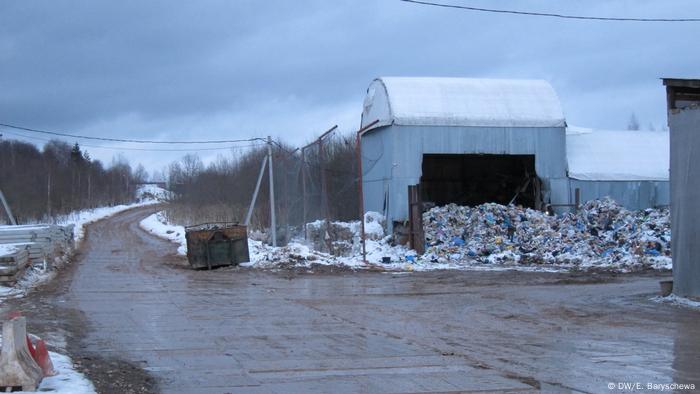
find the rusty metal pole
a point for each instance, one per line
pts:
(358, 152)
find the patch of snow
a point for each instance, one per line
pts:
(152, 192)
(7, 249)
(605, 155)
(678, 301)
(66, 381)
(157, 225)
(462, 102)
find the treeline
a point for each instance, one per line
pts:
(60, 178)
(222, 190)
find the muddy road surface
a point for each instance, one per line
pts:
(137, 320)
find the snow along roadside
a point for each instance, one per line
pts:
(158, 226)
(36, 275)
(67, 380)
(82, 218)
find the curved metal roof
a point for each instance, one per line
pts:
(462, 102)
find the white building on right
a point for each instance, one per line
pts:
(683, 97)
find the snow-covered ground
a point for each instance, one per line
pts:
(152, 192)
(67, 380)
(678, 301)
(158, 226)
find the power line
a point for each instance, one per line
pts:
(141, 149)
(61, 134)
(563, 16)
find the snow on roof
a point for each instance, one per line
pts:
(609, 155)
(462, 102)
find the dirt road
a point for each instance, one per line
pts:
(129, 311)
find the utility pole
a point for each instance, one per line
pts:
(273, 221)
(324, 193)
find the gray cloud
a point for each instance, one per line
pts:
(163, 69)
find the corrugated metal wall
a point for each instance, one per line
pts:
(685, 201)
(631, 194)
(376, 168)
(388, 174)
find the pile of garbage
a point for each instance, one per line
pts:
(601, 233)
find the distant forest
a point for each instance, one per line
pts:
(40, 184)
(222, 190)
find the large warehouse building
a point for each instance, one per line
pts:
(470, 141)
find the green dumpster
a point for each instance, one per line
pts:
(211, 245)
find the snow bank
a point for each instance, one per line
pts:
(158, 226)
(68, 380)
(146, 195)
(152, 192)
(678, 301)
(82, 218)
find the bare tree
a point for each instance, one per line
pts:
(633, 123)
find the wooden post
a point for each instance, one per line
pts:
(416, 238)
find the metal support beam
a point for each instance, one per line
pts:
(7, 209)
(255, 193)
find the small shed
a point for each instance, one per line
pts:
(463, 140)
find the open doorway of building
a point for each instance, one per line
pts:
(473, 179)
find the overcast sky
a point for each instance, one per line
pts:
(291, 69)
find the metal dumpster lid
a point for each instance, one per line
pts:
(211, 226)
